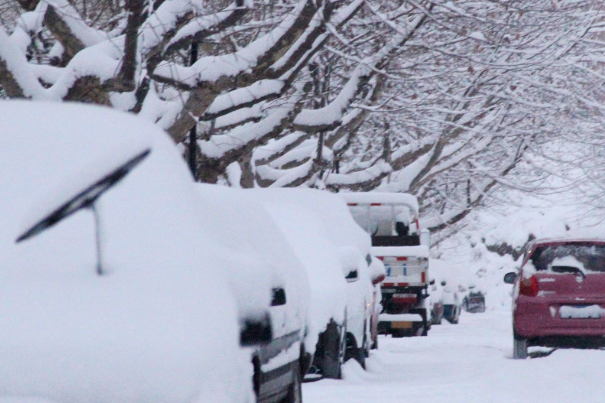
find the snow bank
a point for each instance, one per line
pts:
(161, 325)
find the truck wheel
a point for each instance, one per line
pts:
(519, 348)
(397, 333)
(295, 391)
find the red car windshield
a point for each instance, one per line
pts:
(590, 256)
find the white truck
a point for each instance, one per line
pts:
(392, 221)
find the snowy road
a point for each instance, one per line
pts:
(470, 362)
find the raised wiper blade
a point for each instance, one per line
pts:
(86, 198)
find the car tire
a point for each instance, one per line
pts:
(334, 356)
(355, 352)
(295, 391)
(358, 355)
(519, 348)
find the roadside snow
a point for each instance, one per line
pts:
(466, 363)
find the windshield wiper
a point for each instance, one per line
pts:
(87, 198)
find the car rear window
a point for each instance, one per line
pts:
(591, 256)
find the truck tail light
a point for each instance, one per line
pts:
(423, 277)
(528, 286)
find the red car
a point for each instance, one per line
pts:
(559, 295)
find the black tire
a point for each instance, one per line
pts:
(456, 317)
(519, 348)
(332, 353)
(295, 391)
(354, 352)
(357, 354)
(397, 333)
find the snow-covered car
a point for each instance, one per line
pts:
(436, 302)
(559, 295)
(113, 292)
(451, 280)
(452, 305)
(242, 223)
(474, 301)
(335, 254)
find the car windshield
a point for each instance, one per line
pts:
(590, 256)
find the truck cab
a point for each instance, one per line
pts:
(391, 219)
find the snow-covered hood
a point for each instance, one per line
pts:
(146, 331)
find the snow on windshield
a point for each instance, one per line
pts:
(585, 257)
(378, 219)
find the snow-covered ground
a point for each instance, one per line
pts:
(469, 362)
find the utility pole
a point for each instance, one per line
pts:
(193, 132)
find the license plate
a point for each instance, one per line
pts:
(401, 325)
(404, 295)
(580, 312)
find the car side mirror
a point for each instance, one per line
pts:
(352, 276)
(279, 297)
(256, 332)
(509, 278)
(432, 282)
(378, 279)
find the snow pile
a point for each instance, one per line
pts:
(161, 325)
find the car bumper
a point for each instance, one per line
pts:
(536, 317)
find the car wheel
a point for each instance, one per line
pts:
(334, 353)
(519, 348)
(355, 352)
(295, 391)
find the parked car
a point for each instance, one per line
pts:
(451, 303)
(559, 295)
(436, 302)
(334, 252)
(239, 221)
(474, 301)
(113, 292)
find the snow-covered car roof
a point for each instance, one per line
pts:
(416, 251)
(161, 325)
(333, 211)
(381, 198)
(553, 241)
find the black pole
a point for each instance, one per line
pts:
(193, 131)
(98, 232)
